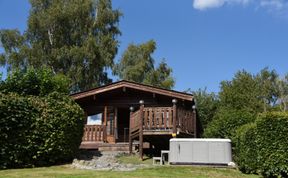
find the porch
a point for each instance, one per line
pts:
(145, 124)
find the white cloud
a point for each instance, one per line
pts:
(274, 4)
(271, 5)
(206, 4)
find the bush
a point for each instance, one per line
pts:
(246, 148)
(272, 134)
(266, 144)
(226, 122)
(37, 82)
(38, 131)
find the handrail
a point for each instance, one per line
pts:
(94, 133)
(158, 118)
(134, 121)
(186, 120)
(161, 118)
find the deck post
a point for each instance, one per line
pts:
(116, 123)
(195, 121)
(130, 135)
(174, 133)
(141, 102)
(105, 123)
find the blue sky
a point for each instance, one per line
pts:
(204, 41)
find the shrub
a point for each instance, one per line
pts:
(37, 82)
(246, 148)
(272, 134)
(38, 131)
(226, 122)
(263, 147)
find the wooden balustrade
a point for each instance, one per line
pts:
(134, 121)
(154, 119)
(94, 133)
(161, 118)
(186, 121)
(158, 118)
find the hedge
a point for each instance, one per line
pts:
(246, 149)
(263, 148)
(38, 131)
(226, 122)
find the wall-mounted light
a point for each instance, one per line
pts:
(174, 101)
(141, 102)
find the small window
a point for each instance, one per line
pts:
(94, 119)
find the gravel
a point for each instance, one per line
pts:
(103, 161)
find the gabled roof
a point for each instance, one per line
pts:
(136, 86)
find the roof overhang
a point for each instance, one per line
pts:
(133, 85)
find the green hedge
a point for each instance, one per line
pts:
(263, 147)
(246, 149)
(38, 131)
(226, 122)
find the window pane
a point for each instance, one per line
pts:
(94, 119)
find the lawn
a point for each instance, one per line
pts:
(65, 171)
(164, 171)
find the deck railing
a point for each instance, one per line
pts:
(158, 118)
(162, 118)
(134, 121)
(94, 133)
(186, 120)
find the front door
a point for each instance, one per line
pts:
(110, 124)
(123, 117)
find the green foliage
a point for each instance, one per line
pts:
(246, 149)
(37, 131)
(76, 38)
(160, 77)
(266, 143)
(272, 134)
(38, 82)
(207, 105)
(241, 99)
(137, 64)
(282, 89)
(246, 91)
(226, 122)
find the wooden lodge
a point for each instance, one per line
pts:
(132, 115)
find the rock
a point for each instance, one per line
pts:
(232, 165)
(103, 161)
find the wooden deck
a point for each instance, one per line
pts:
(148, 121)
(145, 122)
(162, 121)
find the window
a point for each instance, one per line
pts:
(94, 119)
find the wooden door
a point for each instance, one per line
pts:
(110, 119)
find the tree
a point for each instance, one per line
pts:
(256, 93)
(207, 105)
(137, 64)
(241, 99)
(267, 86)
(160, 77)
(73, 37)
(282, 88)
(37, 82)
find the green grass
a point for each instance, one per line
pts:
(165, 171)
(134, 159)
(66, 171)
